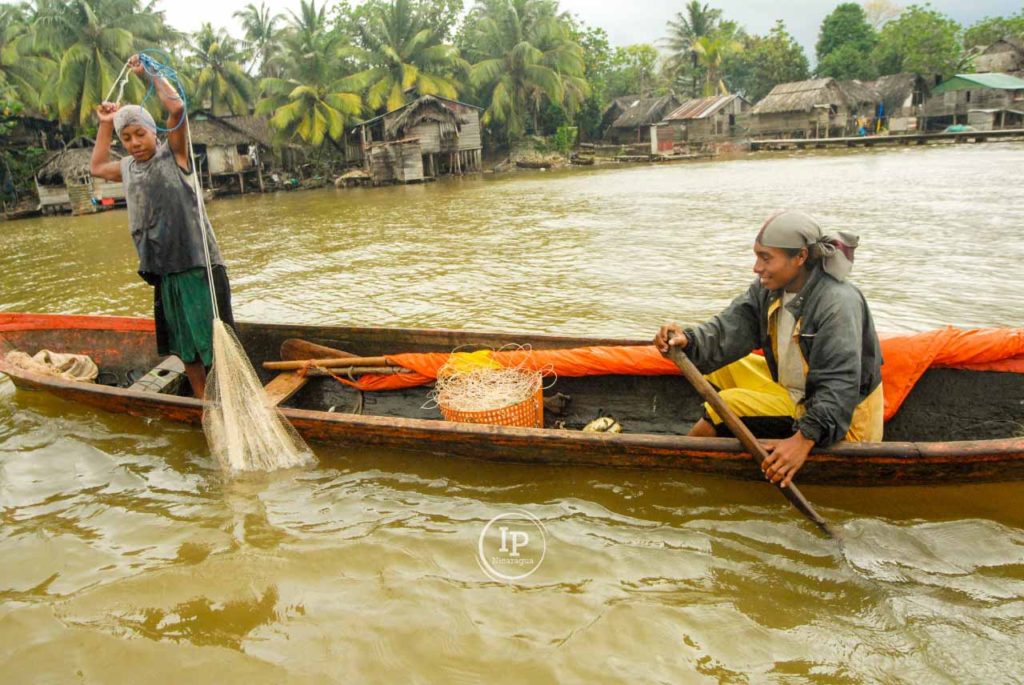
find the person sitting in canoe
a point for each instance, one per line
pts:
(165, 226)
(820, 379)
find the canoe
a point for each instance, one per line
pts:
(956, 425)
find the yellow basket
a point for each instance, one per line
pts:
(526, 414)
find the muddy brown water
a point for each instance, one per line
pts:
(126, 557)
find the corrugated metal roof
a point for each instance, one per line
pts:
(699, 108)
(973, 81)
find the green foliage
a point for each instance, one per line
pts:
(220, 81)
(523, 57)
(92, 40)
(262, 35)
(920, 40)
(695, 22)
(845, 44)
(308, 102)
(991, 29)
(565, 139)
(21, 67)
(402, 57)
(597, 56)
(634, 71)
(765, 62)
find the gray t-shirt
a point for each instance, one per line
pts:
(163, 216)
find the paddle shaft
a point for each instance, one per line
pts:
(742, 433)
(295, 364)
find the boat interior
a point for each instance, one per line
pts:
(945, 405)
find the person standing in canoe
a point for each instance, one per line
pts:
(165, 225)
(820, 379)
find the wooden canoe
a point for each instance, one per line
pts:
(956, 426)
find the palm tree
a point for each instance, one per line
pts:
(402, 54)
(262, 34)
(94, 39)
(524, 55)
(20, 68)
(697, 22)
(308, 102)
(219, 77)
(711, 52)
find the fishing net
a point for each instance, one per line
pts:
(474, 388)
(244, 431)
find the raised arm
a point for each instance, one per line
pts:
(175, 107)
(101, 166)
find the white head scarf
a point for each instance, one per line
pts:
(133, 115)
(793, 230)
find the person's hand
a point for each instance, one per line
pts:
(135, 64)
(670, 334)
(106, 112)
(786, 457)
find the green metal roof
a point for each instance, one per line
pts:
(974, 81)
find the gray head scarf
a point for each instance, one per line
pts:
(793, 230)
(133, 115)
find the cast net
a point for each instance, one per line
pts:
(244, 431)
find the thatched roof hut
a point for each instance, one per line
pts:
(860, 95)
(634, 124)
(447, 131)
(208, 129)
(425, 109)
(65, 180)
(646, 111)
(70, 165)
(1004, 55)
(801, 96)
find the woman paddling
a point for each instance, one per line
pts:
(165, 226)
(820, 379)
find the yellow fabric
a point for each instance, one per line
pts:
(465, 362)
(747, 387)
(868, 418)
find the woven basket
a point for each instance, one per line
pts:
(526, 414)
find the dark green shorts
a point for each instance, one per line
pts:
(184, 313)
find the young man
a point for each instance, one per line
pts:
(819, 380)
(166, 227)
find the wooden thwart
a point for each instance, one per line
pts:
(285, 385)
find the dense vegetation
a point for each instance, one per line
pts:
(534, 68)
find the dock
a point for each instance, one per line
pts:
(894, 139)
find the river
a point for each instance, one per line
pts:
(126, 557)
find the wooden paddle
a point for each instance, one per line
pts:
(286, 384)
(740, 430)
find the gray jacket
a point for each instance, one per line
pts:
(837, 339)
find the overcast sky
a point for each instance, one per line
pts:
(634, 21)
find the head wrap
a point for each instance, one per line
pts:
(133, 115)
(793, 230)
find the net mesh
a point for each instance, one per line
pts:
(244, 431)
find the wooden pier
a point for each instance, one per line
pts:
(899, 139)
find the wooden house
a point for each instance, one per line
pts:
(902, 96)
(446, 134)
(634, 124)
(817, 108)
(698, 121)
(64, 181)
(615, 109)
(230, 148)
(1004, 55)
(985, 101)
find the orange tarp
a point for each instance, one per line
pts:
(906, 358)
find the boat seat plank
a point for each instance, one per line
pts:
(283, 386)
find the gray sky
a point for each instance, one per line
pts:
(635, 21)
